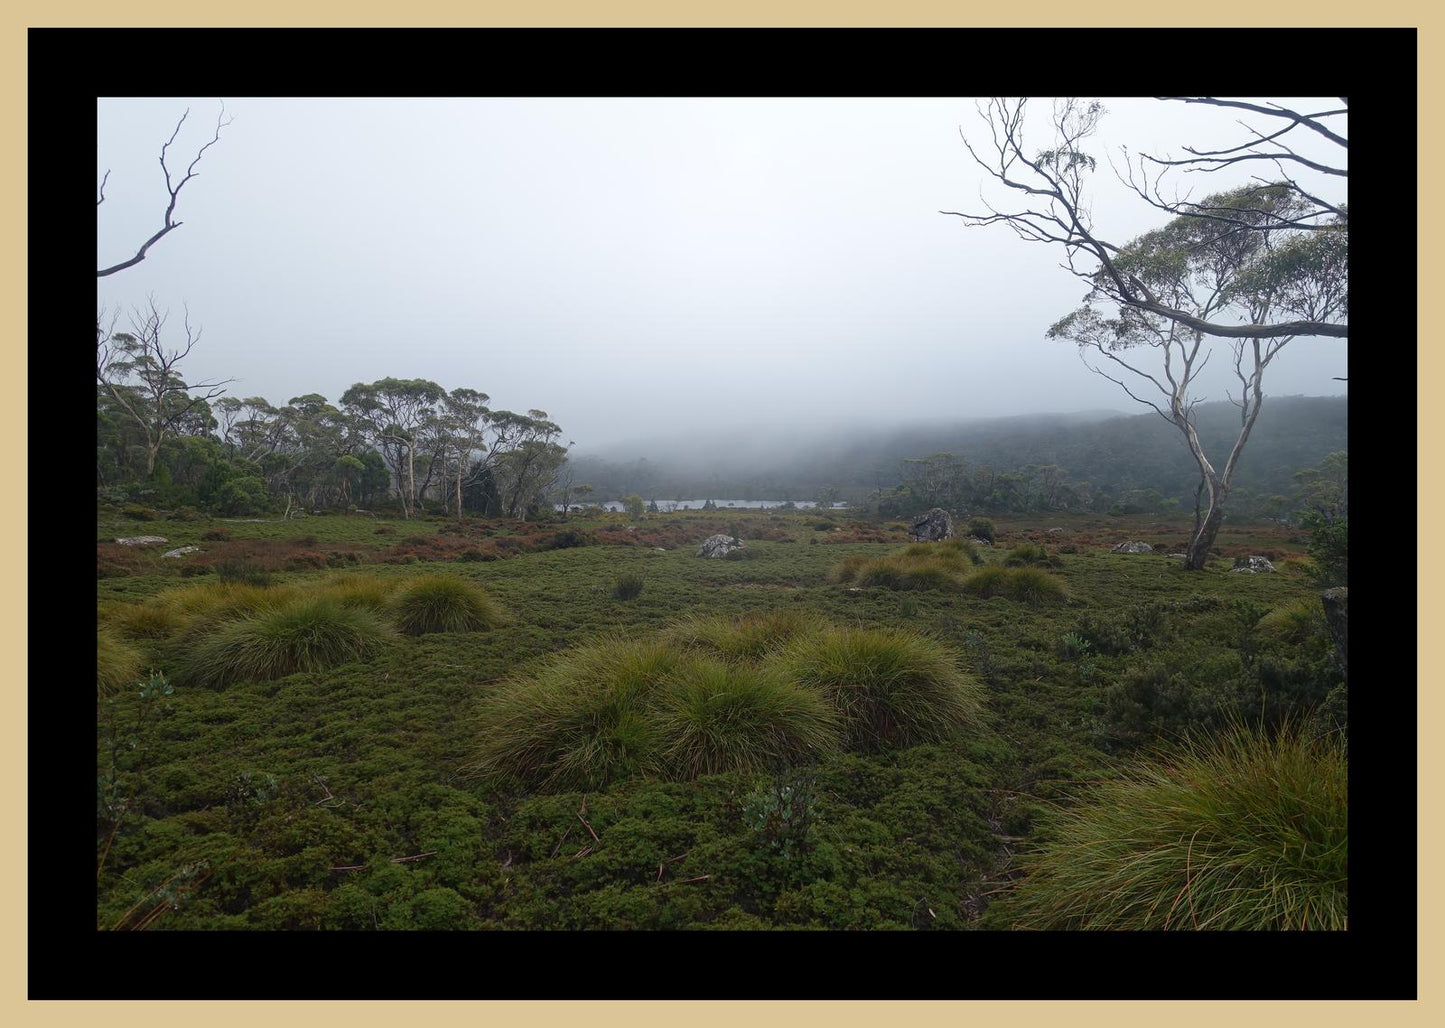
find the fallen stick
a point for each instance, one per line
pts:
(589, 827)
(561, 841)
(415, 856)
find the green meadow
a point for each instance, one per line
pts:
(349, 722)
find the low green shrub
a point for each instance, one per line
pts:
(983, 528)
(242, 572)
(627, 587)
(1241, 832)
(440, 603)
(1072, 646)
(892, 688)
(1137, 627)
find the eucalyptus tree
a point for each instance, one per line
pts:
(462, 445)
(1051, 201)
(396, 414)
(142, 378)
(526, 469)
(1212, 270)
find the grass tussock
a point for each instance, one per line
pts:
(580, 722)
(1025, 584)
(892, 688)
(202, 607)
(303, 634)
(117, 664)
(145, 620)
(749, 637)
(1242, 832)
(361, 592)
(941, 565)
(1296, 623)
(441, 603)
(716, 717)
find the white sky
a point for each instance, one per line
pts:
(634, 267)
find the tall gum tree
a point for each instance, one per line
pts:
(1258, 265)
(396, 413)
(1212, 269)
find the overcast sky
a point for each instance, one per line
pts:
(633, 267)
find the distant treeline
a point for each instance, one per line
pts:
(1127, 464)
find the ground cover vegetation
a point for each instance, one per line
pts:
(743, 744)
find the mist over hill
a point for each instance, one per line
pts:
(1108, 453)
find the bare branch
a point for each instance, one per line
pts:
(1273, 111)
(168, 222)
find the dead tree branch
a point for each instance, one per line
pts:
(173, 190)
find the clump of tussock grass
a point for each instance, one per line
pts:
(1025, 584)
(302, 634)
(363, 592)
(117, 664)
(149, 620)
(1240, 832)
(440, 603)
(715, 717)
(748, 637)
(917, 566)
(578, 723)
(1296, 623)
(847, 570)
(202, 607)
(891, 687)
(1026, 554)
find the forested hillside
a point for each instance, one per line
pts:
(1087, 461)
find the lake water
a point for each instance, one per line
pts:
(668, 506)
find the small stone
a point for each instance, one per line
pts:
(719, 545)
(182, 551)
(1252, 565)
(1133, 546)
(143, 540)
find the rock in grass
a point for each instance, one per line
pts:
(1133, 546)
(932, 527)
(143, 540)
(1252, 565)
(182, 551)
(719, 545)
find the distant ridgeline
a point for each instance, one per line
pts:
(1124, 464)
